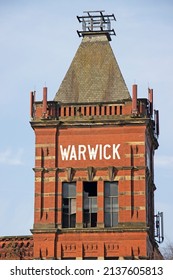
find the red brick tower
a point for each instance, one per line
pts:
(94, 149)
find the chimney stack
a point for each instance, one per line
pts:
(134, 100)
(44, 102)
(156, 118)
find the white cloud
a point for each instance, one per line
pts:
(8, 157)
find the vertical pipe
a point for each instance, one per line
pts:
(31, 104)
(162, 229)
(44, 101)
(150, 98)
(156, 117)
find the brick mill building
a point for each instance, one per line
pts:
(94, 161)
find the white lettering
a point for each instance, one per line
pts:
(100, 154)
(73, 153)
(115, 151)
(81, 152)
(105, 151)
(65, 152)
(92, 152)
(84, 152)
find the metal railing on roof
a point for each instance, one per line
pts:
(96, 22)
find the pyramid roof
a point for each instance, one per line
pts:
(94, 75)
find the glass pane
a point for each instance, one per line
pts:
(86, 202)
(114, 219)
(115, 203)
(65, 190)
(107, 220)
(72, 190)
(73, 220)
(114, 189)
(107, 189)
(111, 189)
(108, 204)
(69, 190)
(73, 206)
(93, 204)
(65, 219)
(86, 219)
(93, 219)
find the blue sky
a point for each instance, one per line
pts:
(38, 41)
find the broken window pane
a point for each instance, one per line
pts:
(90, 204)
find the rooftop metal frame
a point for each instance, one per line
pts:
(96, 22)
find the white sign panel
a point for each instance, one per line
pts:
(90, 152)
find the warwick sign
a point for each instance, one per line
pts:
(90, 152)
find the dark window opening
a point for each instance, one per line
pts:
(100, 110)
(115, 110)
(79, 110)
(90, 204)
(75, 111)
(69, 205)
(69, 111)
(105, 110)
(60, 111)
(121, 110)
(89, 111)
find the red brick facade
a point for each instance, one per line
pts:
(130, 164)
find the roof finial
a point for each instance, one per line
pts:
(95, 22)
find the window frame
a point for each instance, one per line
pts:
(90, 205)
(68, 205)
(111, 209)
